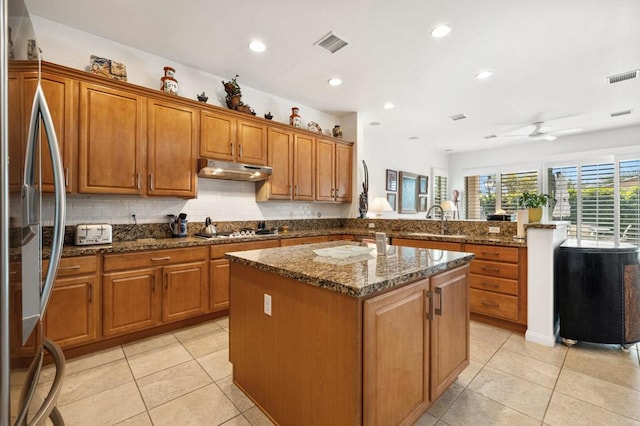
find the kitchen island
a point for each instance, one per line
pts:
(363, 339)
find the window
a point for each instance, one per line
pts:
(439, 190)
(601, 200)
(512, 185)
(480, 196)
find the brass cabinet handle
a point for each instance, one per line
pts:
(490, 304)
(166, 281)
(289, 190)
(429, 296)
(486, 268)
(239, 150)
(296, 190)
(231, 145)
(153, 284)
(69, 267)
(151, 181)
(137, 180)
(492, 253)
(13, 273)
(90, 292)
(495, 285)
(157, 259)
(438, 311)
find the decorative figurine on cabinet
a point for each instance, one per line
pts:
(169, 83)
(234, 97)
(268, 116)
(202, 97)
(294, 119)
(314, 127)
(337, 132)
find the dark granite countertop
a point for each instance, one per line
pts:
(357, 276)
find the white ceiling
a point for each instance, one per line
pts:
(550, 58)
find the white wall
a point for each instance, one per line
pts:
(221, 200)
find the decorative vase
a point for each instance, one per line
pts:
(202, 97)
(268, 116)
(169, 83)
(535, 214)
(337, 131)
(294, 118)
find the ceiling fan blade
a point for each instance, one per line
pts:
(544, 136)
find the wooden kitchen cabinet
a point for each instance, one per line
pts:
(172, 149)
(219, 270)
(333, 171)
(416, 343)
(144, 289)
(226, 137)
(498, 282)
(16, 144)
(111, 138)
(61, 94)
(73, 314)
(291, 156)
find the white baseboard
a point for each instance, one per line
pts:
(542, 339)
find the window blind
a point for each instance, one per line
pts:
(480, 196)
(439, 190)
(512, 185)
(597, 201)
(563, 188)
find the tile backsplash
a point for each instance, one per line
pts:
(219, 199)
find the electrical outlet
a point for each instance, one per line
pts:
(494, 229)
(372, 225)
(267, 304)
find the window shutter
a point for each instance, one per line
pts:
(439, 190)
(480, 196)
(630, 201)
(597, 196)
(512, 185)
(563, 188)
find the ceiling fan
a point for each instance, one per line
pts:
(537, 133)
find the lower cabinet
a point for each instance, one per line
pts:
(416, 343)
(144, 289)
(219, 270)
(73, 313)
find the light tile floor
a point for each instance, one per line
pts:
(184, 378)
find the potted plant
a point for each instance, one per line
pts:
(533, 202)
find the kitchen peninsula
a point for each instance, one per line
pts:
(365, 339)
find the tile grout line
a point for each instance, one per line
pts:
(555, 383)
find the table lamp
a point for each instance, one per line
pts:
(448, 208)
(380, 205)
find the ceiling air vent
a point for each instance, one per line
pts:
(619, 113)
(624, 76)
(457, 117)
(331, 43)
(490, 136)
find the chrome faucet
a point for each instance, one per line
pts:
(443, 225)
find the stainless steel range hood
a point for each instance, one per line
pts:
(215, 169)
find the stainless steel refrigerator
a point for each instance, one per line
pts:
(25, 141)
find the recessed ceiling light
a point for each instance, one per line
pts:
(374, 123)
(388, 105)
(484, 74)
(457, 117)
(335, 82)
(440, 31)
(413, 138)
(448, 150)
(257, 46)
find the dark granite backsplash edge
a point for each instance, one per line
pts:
(131, 232)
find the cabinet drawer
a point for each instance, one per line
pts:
(74, 265)
(142, 259)
(501, 254)
(500, 285)
(494, 304)
(495, 269)
(218, 250)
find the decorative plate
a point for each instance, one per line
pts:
(108, 68)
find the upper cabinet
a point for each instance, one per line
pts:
(292, 157)
(333, 171)
(225, 137)
(172, 149)
(111, 140)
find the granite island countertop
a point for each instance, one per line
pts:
(358, 276)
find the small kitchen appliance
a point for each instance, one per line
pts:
(91, 233)
(179, 226)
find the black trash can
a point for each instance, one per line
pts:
(597, 289)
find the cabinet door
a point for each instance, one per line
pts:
(303, 171)
(280, 158)
(185, 292)
(16, 145)
(449, 328)
(325, 170)
(396, 356)
(172, 145)
(252, 143)
(73, 311)
(111, 144)
(59, 92)
(343, 173)
(217, 136)
(130, 301)
(219, 284)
